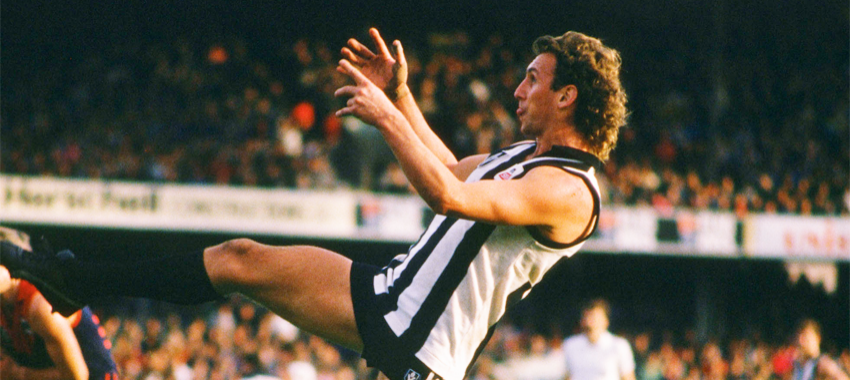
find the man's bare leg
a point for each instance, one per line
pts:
(308, 286)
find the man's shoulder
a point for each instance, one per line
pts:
(622, 343)
(619, 339)
(828, 367)
(575, 340)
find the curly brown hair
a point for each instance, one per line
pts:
(595, 71)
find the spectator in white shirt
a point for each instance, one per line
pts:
(596, 354)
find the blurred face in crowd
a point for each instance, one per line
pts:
(594, 320)
(538, 103)
(808, 341)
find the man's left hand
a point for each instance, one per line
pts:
(367, 102)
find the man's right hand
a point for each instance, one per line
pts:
(387, 71)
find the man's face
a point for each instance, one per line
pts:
(594, 320)
(808, 341)
(538, 105)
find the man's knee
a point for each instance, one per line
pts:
(238, 247)
(229, 263)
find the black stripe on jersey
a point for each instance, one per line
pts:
(562, 164)
(502, 152)
(575, 154)
(389, 302)
(546, 161)
(511, 162)
(435, 303)
(594, 222)
(513, 299)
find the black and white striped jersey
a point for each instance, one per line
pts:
(444, 296)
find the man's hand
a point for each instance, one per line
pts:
(367, 102)
(387, 71)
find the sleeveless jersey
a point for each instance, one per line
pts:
(443, 298)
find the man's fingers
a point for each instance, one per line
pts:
(399, 51)
(379, 42)
(344, 111)
(352, 72)
(360, 49)
(345, 91)
(350, 103)
(354, 58)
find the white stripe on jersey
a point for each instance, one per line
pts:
(494, 161)
(413, 296)
(383, 281)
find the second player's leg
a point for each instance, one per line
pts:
(308, 286)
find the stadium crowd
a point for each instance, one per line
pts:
(760, 136)
(238, 339)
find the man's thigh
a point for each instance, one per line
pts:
(308, 286)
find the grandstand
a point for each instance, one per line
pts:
(727, 201)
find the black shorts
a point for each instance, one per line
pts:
(380, 344)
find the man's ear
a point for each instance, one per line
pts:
(567, 96)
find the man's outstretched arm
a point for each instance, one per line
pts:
(389, 72)
(547, 197)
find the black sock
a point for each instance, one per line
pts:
(179, 278)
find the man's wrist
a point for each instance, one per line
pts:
(398, 93)
(392, 121)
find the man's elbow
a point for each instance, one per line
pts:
(443, 203)
(438, 205)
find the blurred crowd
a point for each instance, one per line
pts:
(762, 134)
(239, 339)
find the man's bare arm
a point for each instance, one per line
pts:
(557, 202)
(389, 73)
(61, 344)
(408, 107)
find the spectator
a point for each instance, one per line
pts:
(810, 364)
(251, 369)
(596, 353)
(218, 113)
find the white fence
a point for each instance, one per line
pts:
(368, 216)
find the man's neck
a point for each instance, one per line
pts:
(811, 354)
(561, 136)
(593, 336)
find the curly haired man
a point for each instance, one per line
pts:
(503, 220)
